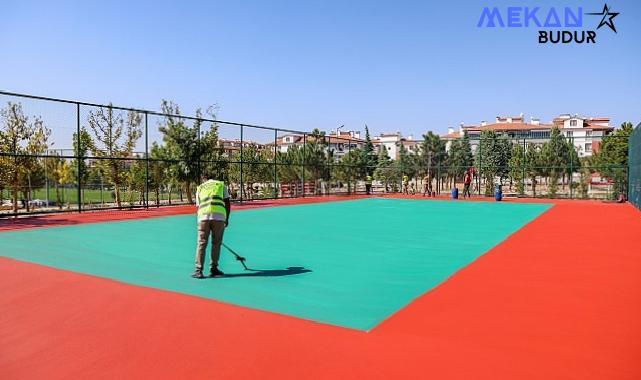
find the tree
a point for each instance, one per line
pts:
(612, 157)
(79, 164)
(517, 167)
(385, 171)
(190, 146)
(114, 140)
(290, 168)
(158, 169)
(493, 157)
(405, 165)
(24, 140)
(533, 165)
(554, 156)
(60, 173)
(316, 160)
(367, 160)
(459, 158)
(256, 168)
(432, 153)
(346, 168)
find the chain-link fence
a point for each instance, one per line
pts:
(59, 155)
(634, 189)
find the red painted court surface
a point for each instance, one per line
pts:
(559, 299)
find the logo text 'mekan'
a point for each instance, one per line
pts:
(564, 24)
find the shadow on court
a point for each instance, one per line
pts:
(268, 272)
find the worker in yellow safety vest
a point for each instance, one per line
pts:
(368, 184)
(405, 185)
(212, 200)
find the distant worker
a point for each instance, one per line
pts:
(405, 185)
(368, 184)
(427, 185)
(212, 200)
(467, 181)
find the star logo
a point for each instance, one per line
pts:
(607, 18)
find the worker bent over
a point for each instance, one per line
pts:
(212, 199)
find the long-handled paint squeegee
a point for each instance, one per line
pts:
(238, 257)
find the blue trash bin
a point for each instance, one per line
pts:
(498, 192)
(455, 193)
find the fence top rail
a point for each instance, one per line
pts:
(148, 112)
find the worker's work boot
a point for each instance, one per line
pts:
(215, 272)
(197, 274)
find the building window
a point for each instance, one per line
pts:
(572, 123)
(569, 133)
(588, 133)
(588, 148)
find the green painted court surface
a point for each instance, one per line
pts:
(351, 263)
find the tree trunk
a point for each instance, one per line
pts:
(117, 192)
(14, 192)
(190, 198)
(58, 197)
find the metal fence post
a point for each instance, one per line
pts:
(478, 187)
(304, 150)
(275, 165)
(523, 169)
(146, 161)
(200, 158)
(242, 187)
(571, 175)
(438, 177)
(78, 166)
(349, 169)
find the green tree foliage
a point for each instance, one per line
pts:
(256, 168)
(60, 173)
(367, 159)
(290, 170)
(80, 149)
(316, 159)
(459, 158)
(405, 165)
(432, 154)
(347, 168)
(611, 159)
(533, 165)
(516, 167)
(189, 145)
(386, 172)
(492, 158)
(584, 179)
(114, 140)
(23, 139)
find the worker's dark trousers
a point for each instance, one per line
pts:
(205, 227)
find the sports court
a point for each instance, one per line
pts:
(366, 287)
(388, 252)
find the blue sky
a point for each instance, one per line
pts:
(411, 66)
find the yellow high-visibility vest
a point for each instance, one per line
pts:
(210, 198)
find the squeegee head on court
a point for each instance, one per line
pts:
(238, 257)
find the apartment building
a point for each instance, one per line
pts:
(585, 133)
